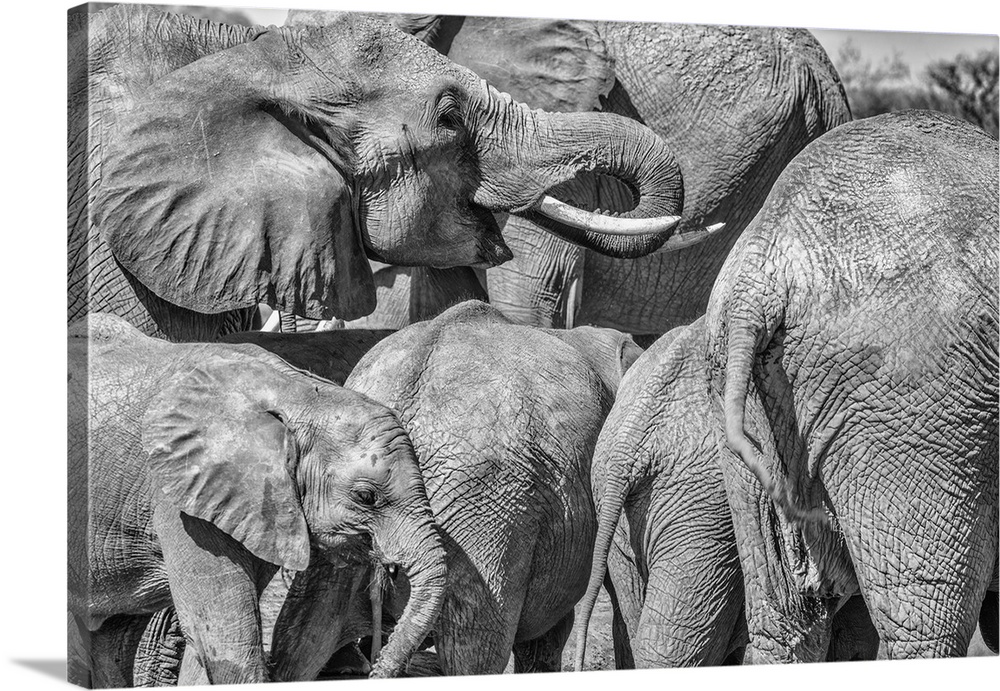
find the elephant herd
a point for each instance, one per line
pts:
(801, 466)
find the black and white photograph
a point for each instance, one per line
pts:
(419, 344)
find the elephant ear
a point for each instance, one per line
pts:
(609, 352)
(554, 64)
(220, 450)
(216, 195)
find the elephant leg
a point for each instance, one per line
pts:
(113, 650)
(543, 654)
(693, 600)
(158, 659)
(619, 629)
(192, 672)
(783, 624)
(215, 584)
(925, 574)
(738, 641)
(476, 629)
(988, 620)
(625, 588)
(854, 636)
(532, 288)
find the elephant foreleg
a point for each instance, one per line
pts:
(113, 650)
(215, 584)
(544, 654)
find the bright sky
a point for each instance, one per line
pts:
(916, 49)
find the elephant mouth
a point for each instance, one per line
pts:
(490, 247)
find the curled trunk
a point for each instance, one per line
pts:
(528, 152)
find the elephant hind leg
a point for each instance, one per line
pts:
(543, 654)
(925, 606)
(619, 628)
(475, 635)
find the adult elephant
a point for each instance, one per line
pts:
(853, 351)
(197, 470)
(214, 167)
(503, 419)
(734, 105)
(665, 545)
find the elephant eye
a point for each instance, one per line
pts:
(364, 496)
(449, 111)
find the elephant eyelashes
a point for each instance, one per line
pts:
(364, 496)
(449, 111)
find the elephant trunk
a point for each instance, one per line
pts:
(421, 555)
(525, 153)
(616, 490)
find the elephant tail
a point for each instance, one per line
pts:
(743, 341)
(616, 491)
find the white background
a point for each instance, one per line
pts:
(33, 611)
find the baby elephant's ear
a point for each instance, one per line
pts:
(220, 451)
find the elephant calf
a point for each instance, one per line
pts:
(665, 536)
(198, 469)
(503, 420)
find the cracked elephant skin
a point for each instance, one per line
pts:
(665, 542)
(503, 419)
(213, 167)
(197, 470)
(852, 351)
(733, 104)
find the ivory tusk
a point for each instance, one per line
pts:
(679, 241)
(375, 593)
(599, 223)
(573, 298)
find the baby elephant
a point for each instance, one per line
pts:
(197, 470)
(503, 419)
(665, 535)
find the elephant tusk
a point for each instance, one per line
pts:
(599, 223)
(375, 593)
(679, 241)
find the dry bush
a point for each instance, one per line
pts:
(964, 86)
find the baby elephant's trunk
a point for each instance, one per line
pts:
(422, 557)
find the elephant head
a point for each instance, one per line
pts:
(308, 476)
(270, 171)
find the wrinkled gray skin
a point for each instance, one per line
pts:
(664, 533)
(852, 345)
(209, 467)
(213, 167)
(503, 419)
(733, 104)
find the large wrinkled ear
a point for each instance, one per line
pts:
(609, 352)
(556, 65)
(217, 195)
(221, 450)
